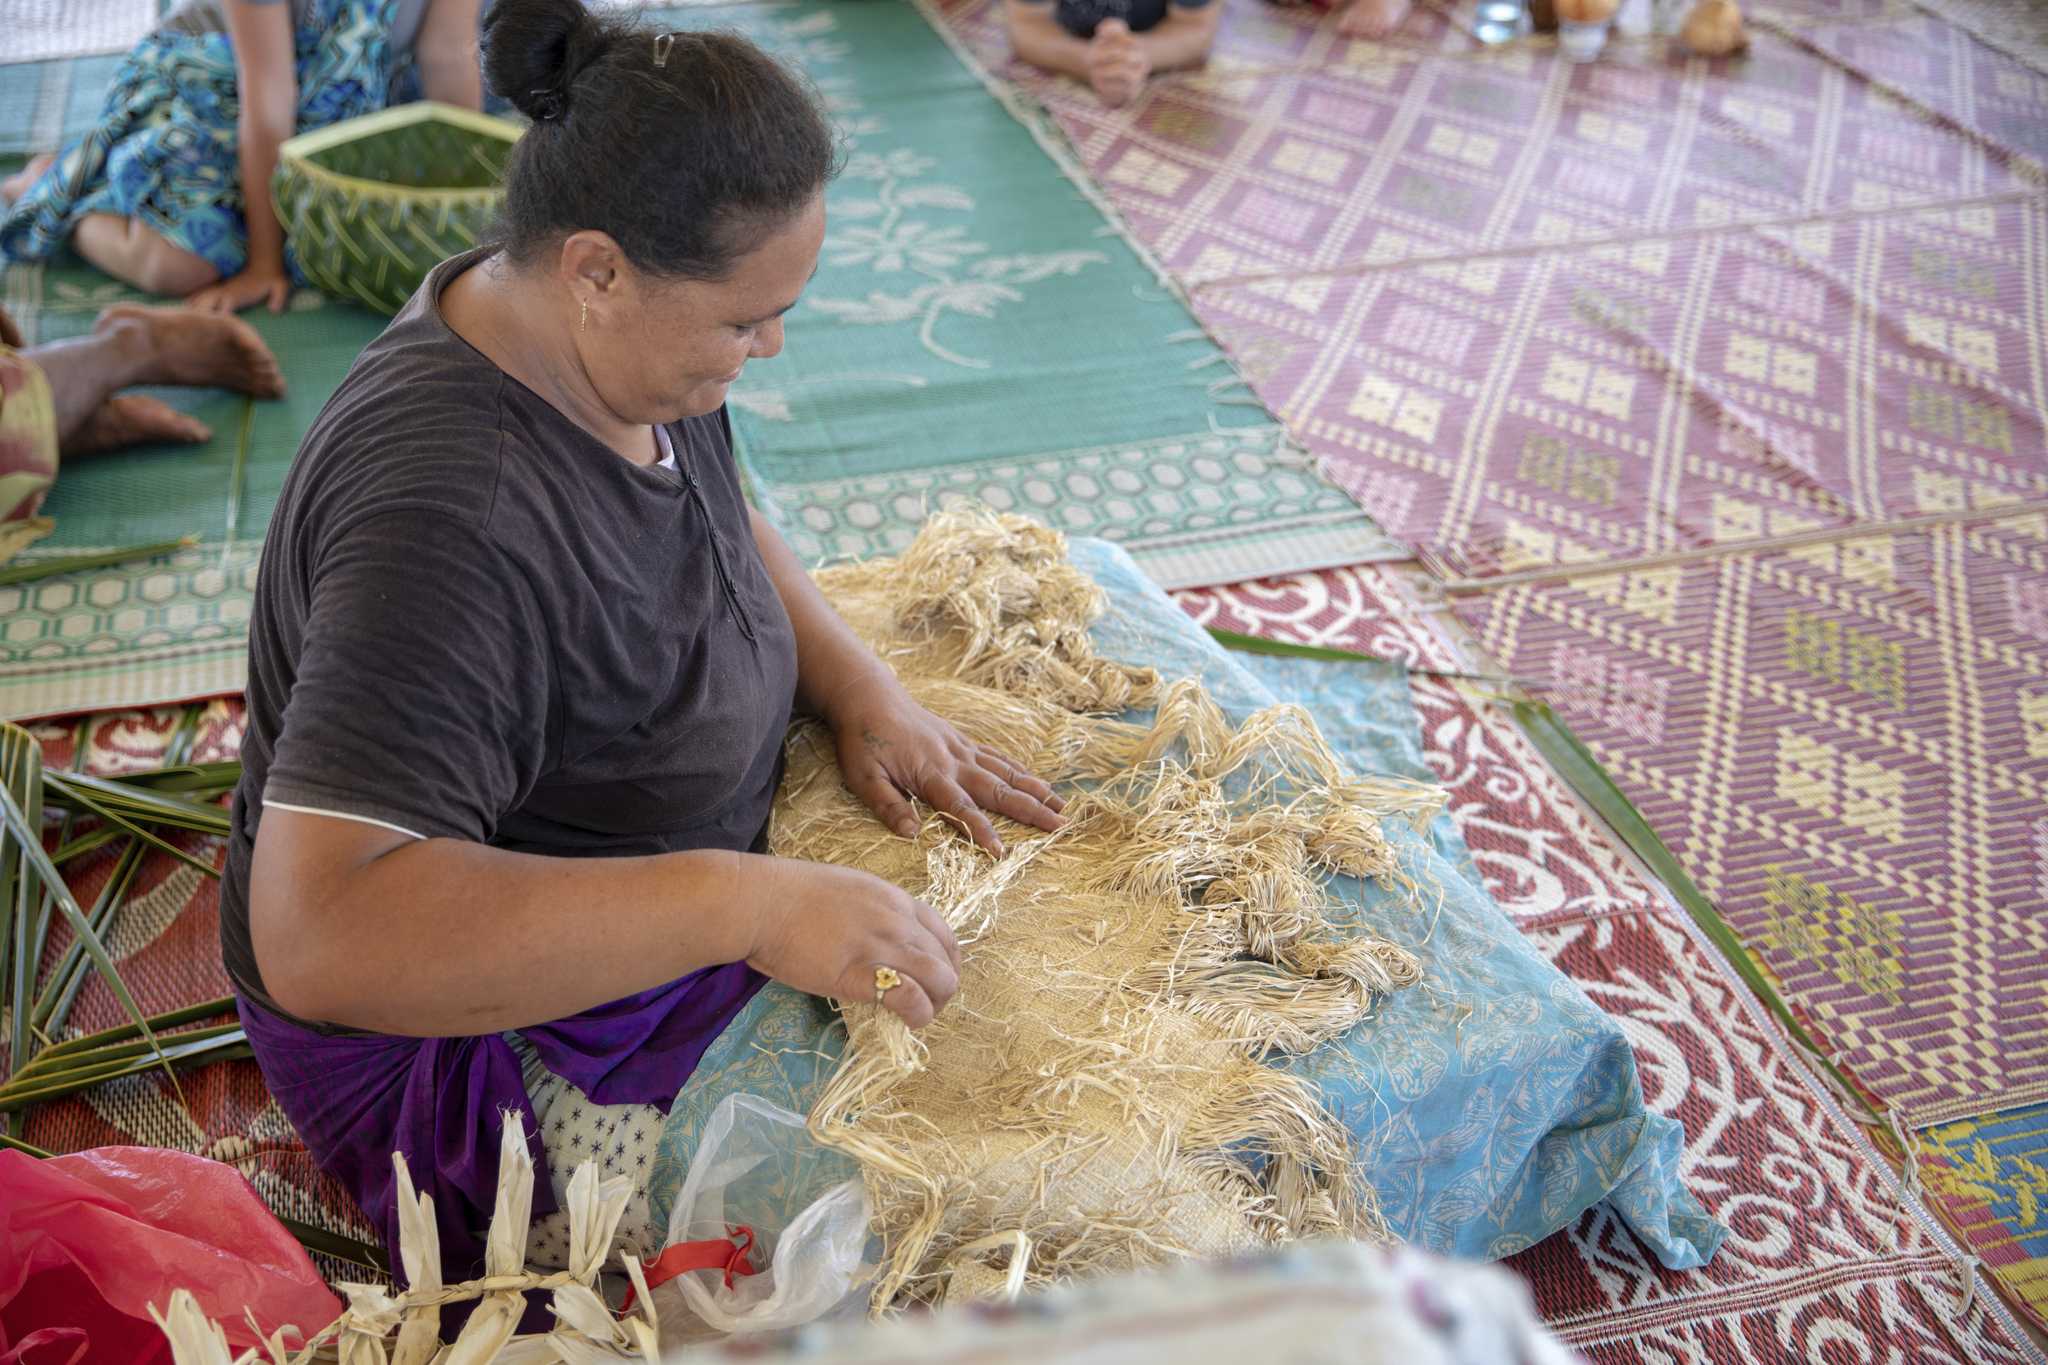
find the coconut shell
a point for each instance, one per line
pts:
(1714, 28)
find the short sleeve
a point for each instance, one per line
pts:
(421, 697)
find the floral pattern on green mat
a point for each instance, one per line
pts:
(978, 329)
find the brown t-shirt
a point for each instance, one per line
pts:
(476, 621)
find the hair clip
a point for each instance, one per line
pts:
(662, 43)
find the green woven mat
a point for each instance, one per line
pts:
(978, 329)
(45, 104)
(174, 627)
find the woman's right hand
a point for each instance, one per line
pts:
(825, 929)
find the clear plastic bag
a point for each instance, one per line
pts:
(754, 1163)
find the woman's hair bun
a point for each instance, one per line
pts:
(688, 147)
(534, 50)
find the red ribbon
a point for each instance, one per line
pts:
(718, 1253)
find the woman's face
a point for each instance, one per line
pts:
(671, 349)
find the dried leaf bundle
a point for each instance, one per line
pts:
(586, 1332)
(1095, 1099)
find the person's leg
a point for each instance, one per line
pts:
(133, 254)
(130, 345)
(1372, 18)
(18, 184)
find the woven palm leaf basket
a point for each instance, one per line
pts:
(371, 204)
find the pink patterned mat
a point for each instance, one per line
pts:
(1824, 1257)
(1761, 337)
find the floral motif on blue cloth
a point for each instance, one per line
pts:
(164, 148)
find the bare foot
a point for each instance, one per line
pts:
(186, 346)
(126, 421)
(24, 180)
(1117, 65)
(1372, 18)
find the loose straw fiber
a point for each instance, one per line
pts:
(1094, 1097)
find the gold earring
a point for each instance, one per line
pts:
(584, 325)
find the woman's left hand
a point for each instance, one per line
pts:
(890, 749)
(266, 283)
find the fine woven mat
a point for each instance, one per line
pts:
(1844, 1257)
(2019, 27)
(977, 330)
(1643, 312)
(42, 30)
(43, 104)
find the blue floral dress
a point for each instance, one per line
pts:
(164, 149)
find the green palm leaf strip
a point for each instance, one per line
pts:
(1253, 644)
(136, 802)
(15, 1144)
(190, 790)
(121, 1033)
(87, 843)
(43, 568)
(75, 791)
(1587, 776)
(25, 836)
(21, 773)
(53, 1006)
(185, 779)
(209, 1045)
(46, 909)
(339, 1247)
(187, 733)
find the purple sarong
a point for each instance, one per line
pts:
(355, 1099)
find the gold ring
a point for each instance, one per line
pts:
(886, 980)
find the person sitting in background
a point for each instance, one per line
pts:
(1112, 44)
(170, 190)
(60, 400)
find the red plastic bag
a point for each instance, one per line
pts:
(89, 1241)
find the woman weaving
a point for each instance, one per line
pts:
(522, 658)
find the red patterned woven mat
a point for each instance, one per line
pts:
(1822, 1250)
(1825, 1257)
(166, 942)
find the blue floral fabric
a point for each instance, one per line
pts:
(164, 148)
(1492, 1104)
